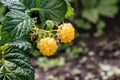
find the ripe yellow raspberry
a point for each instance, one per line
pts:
(47, 46)
(67, 32)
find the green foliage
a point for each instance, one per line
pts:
(3, 36)
(15, 41)
(90, 12)
(48, 12)
(70, 10)
(75, 51)
(83, 24)
(92, 9)
(100, 26)
(89, 3)
(91, 15)
(14, 4)
(2, 11)
(64, 47)
(15, 65)
(44, 7)
(46, 63)
(18, 24)
(107, 7)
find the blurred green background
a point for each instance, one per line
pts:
(92, 55)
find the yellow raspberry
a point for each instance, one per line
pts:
(47, 46)
(67, 32)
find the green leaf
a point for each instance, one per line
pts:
(46, 63)
(101, 24)
(48, 9)
(18, 24)
(24, 46)
(70, 10)
(21, 5)
(83, 24)
(2, 11)
(107, 2)
(87, 26)
(89, 3)
(14, 4)
(52, 10)
(3, 36)
(14, 65)
(108, 7)
(108, 11)
(91, 15)
(28, 4)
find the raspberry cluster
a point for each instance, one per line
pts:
(46, 43)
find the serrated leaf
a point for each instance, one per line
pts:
(79, 22)
(14, 4)
(28, 4)
(18, 24)
(101, 24)
(107, 2)
(108, 11)
(24, 46)
(89, 3)
(83, 24)
(108, 7)
(52, 10)
(91, 15)
(48, 9)
(70, 10)
(14, 64)
(2, 11)
(3, 36)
